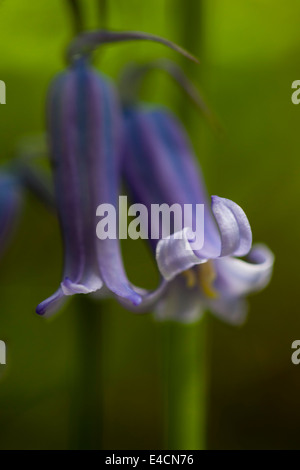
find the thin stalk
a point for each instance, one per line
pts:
(191, 35)
(185, 385)
(185, 365)
(88, 430)
(103, 11)
(88, 400)
(76, 12)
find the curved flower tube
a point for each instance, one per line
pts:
(160, 168)
(85, 129)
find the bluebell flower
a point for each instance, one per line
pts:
(160, 168)
(85, 137)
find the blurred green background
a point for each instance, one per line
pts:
(249, 58)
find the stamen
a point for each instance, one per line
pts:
(190, 277)
(206, 277)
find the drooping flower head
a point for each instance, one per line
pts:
(160, 168)
(85, 137)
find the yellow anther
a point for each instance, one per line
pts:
(190, 277)
(206, 278)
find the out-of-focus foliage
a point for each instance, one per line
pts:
(250, 56)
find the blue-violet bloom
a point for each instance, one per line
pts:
(85, 134)
(160, 168)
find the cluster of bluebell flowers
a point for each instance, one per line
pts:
(95, 144)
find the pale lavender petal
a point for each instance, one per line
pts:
(235, 230)
(91, 284)
(232, 309)
(175, 255)
(238, 278)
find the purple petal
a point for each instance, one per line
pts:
(51, 305)
(85, 136)
(104, 170)
(68, 115)
(148, 300)
(159, 167)
(69, 131)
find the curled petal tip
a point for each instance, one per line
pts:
(175, 255)
(127, 296)
(51, 305)
(238, 278)
(235, 230)
(40, 310)
(91, 285)
(146, 301)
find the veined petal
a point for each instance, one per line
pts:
(236, 277)
(70, 127)
(159, 167)
(235, 230)
(85, 132)
(104, 171)
(175, 255)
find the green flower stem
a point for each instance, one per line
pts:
(191, 36)
(87, 389)
(185, 365)
(185, 385)
(103, 11)
(76, 12)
